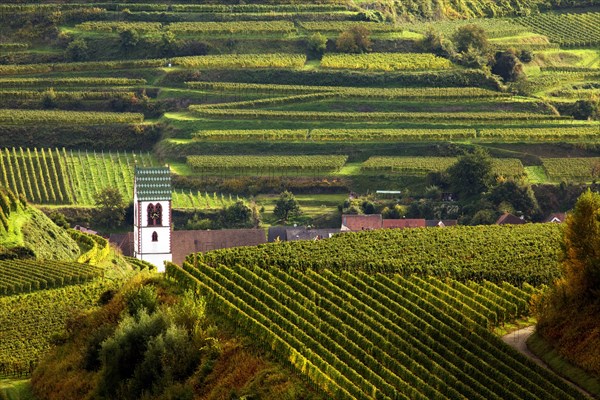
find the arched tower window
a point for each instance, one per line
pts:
(155, 214)
(154, 237)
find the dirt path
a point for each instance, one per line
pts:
(518, 341)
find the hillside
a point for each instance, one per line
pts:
(26, 229)
(245, 100)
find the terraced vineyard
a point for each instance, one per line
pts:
(198, 200)
(46, 176)
(385, 61)
(28, 322)
(424, 165)
(581, 29)
(516, 254)
(266, 164)
(361, 336)
(22, 276)
(572, 169)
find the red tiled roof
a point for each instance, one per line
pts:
(404, 223)
(187, 242)
(357, 223)
(557, 217)
(507, 219)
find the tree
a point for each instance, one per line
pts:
(168, 44)
(471, 36)
(129, 39)
(237, 215)
(520, 197)
(586, 109)
(508, 66)
(77, 50)
(582, 248)
(316, 44)
(472, 46)
(354, 40)
(286, 207)
(110, 207)
(471, 174)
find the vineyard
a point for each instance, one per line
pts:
(198, 201)
(359, 336)
(58, 176)
(570, 30)
(266, 164)
(242, 61)
(457, 117)
(243, 89)
(36, 117)
(516, 254)
(22, 276)
(29, 321)
(424, 165)
(386, 61)
(572, 169)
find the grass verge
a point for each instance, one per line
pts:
(562, 367)
(15, 389)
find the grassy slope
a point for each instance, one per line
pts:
(238, 369)
(31, 228)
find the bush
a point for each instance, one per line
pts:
(354, 40)
(77, 50)
(316, 44)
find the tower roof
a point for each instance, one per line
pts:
(153, 183)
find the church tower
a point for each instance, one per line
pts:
(152, 215)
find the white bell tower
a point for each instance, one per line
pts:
(152, 215)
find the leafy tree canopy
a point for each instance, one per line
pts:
(286, 207)
(471, 174)
(110, 207)
(354, 40)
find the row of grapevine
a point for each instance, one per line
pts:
(562, 133)
(199, 200)
(68, 82)
(340, 26)
(366, 333)
(386, 61)
(462, 93)
(272, 101)
(266, 164)
(225, 8)
(190, 28)
(274, 60)
(424, 165)
(22, 276)
(37, 95)
(21, 117)
(94, 248)
(184, 8)
(29, 321)
(438, 117)
(581, 29)
(79, 66)
(13, 46)
(516, 254)
(494, 27)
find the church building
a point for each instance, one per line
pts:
(152, 216)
